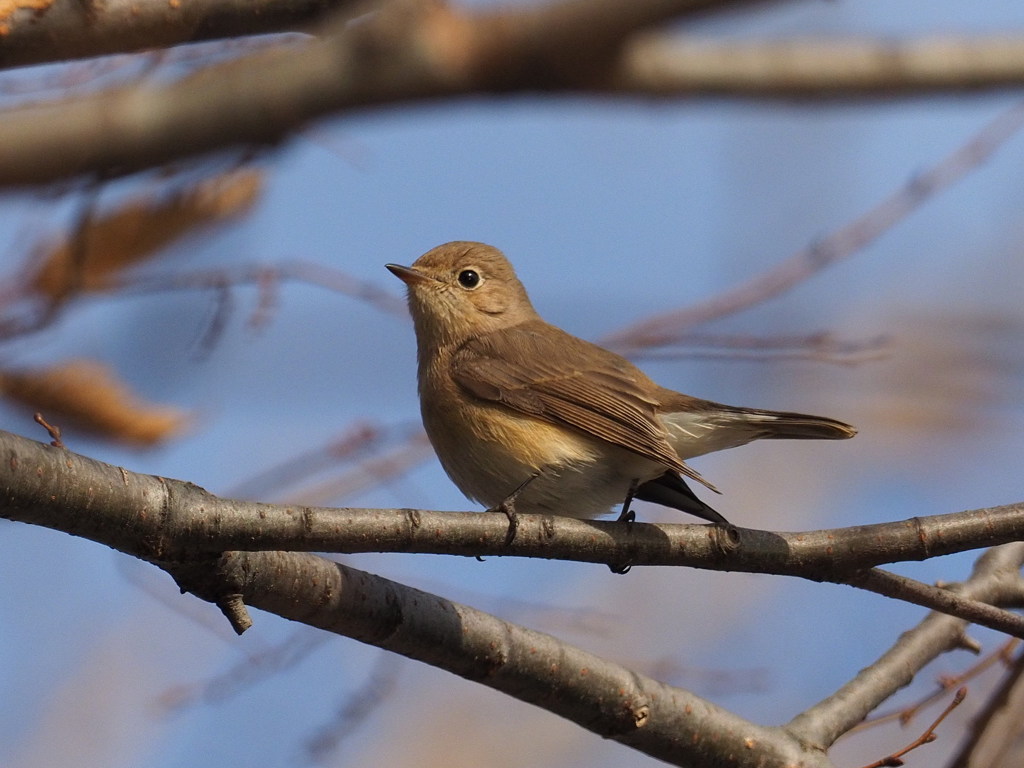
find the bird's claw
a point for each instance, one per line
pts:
(508, 507)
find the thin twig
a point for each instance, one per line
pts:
(993, 579)
(370, 473)
(248, 671)
(945, 683)
(938, 599)
(273, 481)
(819, 347)
(895, 759)
(849, 239)
(355, 709)
(296, 270)
(52, 429)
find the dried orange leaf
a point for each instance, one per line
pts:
(9, 7)
(87, 394)
(137, 230)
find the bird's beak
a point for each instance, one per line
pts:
(408, 275)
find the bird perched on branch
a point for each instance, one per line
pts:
(526, 417)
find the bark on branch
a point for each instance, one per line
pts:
(996, 579)
(165, 520)
(610, 700)
(186, 531)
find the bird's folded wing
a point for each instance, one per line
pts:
(542, 371)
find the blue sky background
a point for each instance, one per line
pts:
(611, 210)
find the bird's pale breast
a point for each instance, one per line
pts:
(489, 450)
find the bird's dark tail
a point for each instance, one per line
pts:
(670, 490)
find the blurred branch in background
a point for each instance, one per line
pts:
(411, 52)
(248, 670)
(380, 684)
(376, 456)
(102, 244)
(951, 372)
(850, 239)
(351, 445)
(136, 230)
(39, 31)
(820, 347)
(268, 278)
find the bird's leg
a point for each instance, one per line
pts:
(627, 516)
(508, 507)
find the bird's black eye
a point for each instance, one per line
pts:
(469, 278)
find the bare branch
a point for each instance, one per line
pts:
(1003, 654)
(185, 530)
(996, 572)
(405, 53)
(51, 30)
(937, 598)
(929, 735)
(182, 520)
(844, 242)
(819, 69)
(669, 723)
(995, 734)
(168, 520)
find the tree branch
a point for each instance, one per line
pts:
(994, 734)
(409, 53)
(849, 239)
(184, 529)
(819, 69)
(996, 579)
(405, 52)
(938, 598)
(165, 520)
(612, 701)
(42, 31)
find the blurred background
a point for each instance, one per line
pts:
(612, 211)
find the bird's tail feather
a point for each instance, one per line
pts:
(783, 425)
(694, 432)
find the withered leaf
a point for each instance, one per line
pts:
(137, 230)
(88, 395)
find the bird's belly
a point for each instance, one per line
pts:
(489, 452)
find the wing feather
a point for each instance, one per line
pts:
(542, 371)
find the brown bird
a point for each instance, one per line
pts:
(526, 417)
